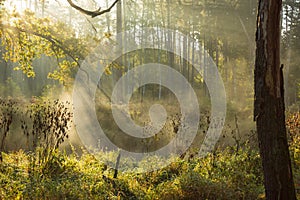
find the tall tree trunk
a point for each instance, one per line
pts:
(119, 18)
(269, 111)
(142, 51)
(204, 64)
(119, 30)
(233, 82)
(107, 18)
(184, 53)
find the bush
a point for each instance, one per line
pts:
(293, 128)
(220, 176)
(8, 110)
(223, 174)
(47, 128)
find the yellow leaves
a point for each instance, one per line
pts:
(26, 68)
(62, 74)
(107, 70)
(6, 56)
(198, 78)
(261, 196)
(15, 14)
(29, 37)
(74, 64)
(30, 74)
(28, 13)
(107, 35)
(203, 13)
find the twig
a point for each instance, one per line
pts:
(117, 166)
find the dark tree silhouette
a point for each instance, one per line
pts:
(269, 111)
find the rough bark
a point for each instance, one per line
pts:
(269, 111)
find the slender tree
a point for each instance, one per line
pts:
(269, 111)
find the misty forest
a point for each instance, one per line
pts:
(152, 99)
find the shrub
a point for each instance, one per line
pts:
(47, 128)
(7, 111)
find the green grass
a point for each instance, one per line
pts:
(223, 175)
(227, 173)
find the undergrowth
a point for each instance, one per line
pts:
(228, 173)
(222, 175)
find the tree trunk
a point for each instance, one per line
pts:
(119, 30)
(269, 111)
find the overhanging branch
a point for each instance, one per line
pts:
(92, 13)
(50, 39)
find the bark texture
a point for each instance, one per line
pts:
(269, 110)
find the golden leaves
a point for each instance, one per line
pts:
(27, 37)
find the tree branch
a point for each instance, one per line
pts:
(50, 39)
(92, 13)
(54, 41)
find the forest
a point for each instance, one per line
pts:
(152, 99)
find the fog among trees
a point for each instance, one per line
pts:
(67, 69)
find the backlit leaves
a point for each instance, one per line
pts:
(26, 37)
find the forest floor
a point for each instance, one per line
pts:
(232, 172)
(226, 174)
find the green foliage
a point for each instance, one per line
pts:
(222, 175)
(225, 174)
(10, 88)
(27, 37)
(293, 127)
